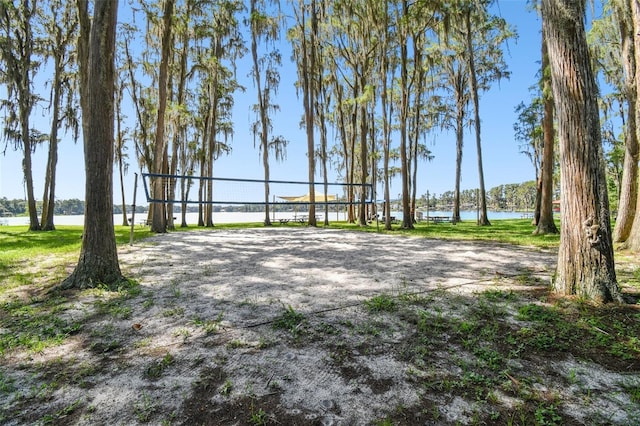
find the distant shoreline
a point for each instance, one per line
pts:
(247, 217)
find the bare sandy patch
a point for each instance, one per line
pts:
(198, 346)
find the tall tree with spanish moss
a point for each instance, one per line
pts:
(158, 216)
(19, 63)
(61, 26)
(265, 28)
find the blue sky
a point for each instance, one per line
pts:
(502, 160)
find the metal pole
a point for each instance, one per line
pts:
(133, 213)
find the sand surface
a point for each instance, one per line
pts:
(200, 335)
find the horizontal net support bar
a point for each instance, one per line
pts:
(221, 179)
(232, 191)
(261, 203)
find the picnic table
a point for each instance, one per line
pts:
(145, 222)
(393, 219)
(305, 218)
(438, 219)
(295, 219)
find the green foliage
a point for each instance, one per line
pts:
(209, 326)
(535, 312)
(144, 408)
(7, 383)
(61, 414)
(21, 248)
(498, 295)
(111, 301)
(34, 326)
(157, 368)
(547, 415)
(259, 417)
(381, 303)
(226, 388)
(289, 320)
(71, 206)
(633, 389)
(511, 231)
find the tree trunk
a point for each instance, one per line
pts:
(119, 149)
(323, 147)
(211, 147)
(633, 242)
(538, 202)
(98, 261)
(34, 223)
(309, 106)
(459, 145)
(407, 223)
(158, 221)
(545, 223)
(362, 218)
(48, 198)
(585, 257)
(629, 185)
(123, 200)
(418, 82)
(353, 123)
(386, 129)
(262, 113)
(265, 164)
(483, 220)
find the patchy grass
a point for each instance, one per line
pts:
(510, 231)
(487, 341)
(381, 303)
(35, 325)
(290, 320)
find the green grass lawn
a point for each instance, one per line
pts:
(512, 231)
(24, 252)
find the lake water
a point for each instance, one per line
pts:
(241, 217)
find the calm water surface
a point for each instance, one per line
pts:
(239, 217)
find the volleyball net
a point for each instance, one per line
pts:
(235, 191)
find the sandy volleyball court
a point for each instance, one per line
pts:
(198, 344)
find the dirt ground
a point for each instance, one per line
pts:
(292, 325)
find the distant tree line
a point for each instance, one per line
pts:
(60, 207)
(513, 196)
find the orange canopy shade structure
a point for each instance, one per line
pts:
(319, 198)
